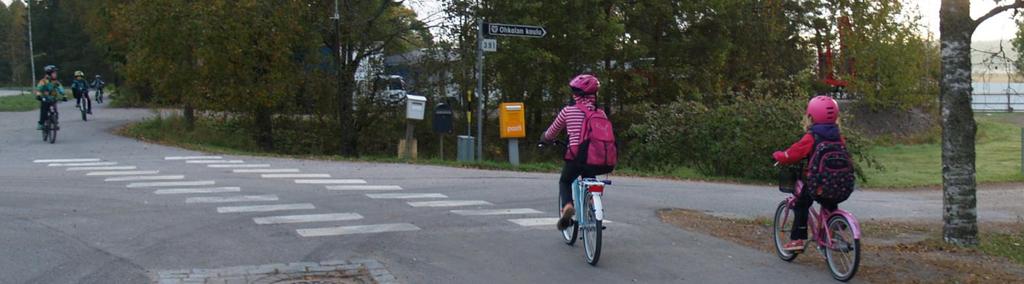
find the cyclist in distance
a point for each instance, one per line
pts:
(50, 87)
(80, 89)
(98, 84)
(584, 89)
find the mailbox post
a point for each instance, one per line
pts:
(442, 124)
(512, 121)
(415, 107)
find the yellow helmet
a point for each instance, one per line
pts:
(79, 74)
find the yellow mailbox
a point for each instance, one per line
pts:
(512, 120)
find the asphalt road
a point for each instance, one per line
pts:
(68, 224)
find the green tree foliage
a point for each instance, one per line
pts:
(893, 65)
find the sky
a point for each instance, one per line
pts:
(1000, 27)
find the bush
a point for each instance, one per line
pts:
(732, 139)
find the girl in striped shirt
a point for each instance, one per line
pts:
(584, 89)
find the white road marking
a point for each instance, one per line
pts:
(265, 208)
(215, 162)
(83, 164)
(170, 183)
(295, 175)
(288, 219)
(137, 178)
(178, 158)
(238, 166)
(122, 173)
(496, 211)
(198, 190)
(405, 195)
(448, 203)
(362, 229)
(233, 198)
(330, 181)
(112, 168)
(66, 160)
(264, 171)
(364, 187)
(531, 222)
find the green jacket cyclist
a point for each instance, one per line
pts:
(47, 91)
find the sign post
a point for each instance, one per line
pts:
(491, 45)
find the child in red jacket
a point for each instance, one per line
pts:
(821, 123)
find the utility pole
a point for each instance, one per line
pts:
(31, 52)
(480, 90)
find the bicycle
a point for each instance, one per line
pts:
(86, 106)
(587, 194)
(99, 95)
(51, 123)
(836, 233)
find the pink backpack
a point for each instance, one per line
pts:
(597, 150)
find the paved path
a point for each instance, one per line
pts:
(6, 92)
(99, 208)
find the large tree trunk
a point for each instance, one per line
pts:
(958, 126)
(264, 128)
(349, 131)
(190, 116)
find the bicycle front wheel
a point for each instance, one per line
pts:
(85, 111)
(570, 233)
(591, 231)
(782, 226)
(843, 255)
(51, 128)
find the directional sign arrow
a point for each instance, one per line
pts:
(515, 30)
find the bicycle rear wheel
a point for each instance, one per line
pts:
(843, 255)
(782, 226)
(591, 231)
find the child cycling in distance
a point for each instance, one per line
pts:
(821, 121)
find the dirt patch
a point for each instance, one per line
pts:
(914, 126)
(893, 252)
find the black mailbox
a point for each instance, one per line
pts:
(442, 118)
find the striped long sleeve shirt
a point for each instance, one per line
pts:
(571, 119)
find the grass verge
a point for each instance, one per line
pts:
(24, 102)
(214, 137)
(892, 252)
(905, 166)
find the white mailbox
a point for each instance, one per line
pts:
(415, 107)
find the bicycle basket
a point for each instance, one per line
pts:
(787, 178)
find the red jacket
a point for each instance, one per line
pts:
(800, 150)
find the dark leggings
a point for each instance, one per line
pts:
(570, 172)
(83, 96)
(803, 203)
(44, 106)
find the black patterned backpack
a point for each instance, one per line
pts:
(830, 175)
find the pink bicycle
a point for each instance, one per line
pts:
(836, 233)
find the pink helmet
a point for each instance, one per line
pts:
(823, 109)
(588, 84)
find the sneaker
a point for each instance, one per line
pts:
(89, 111)
(39, 126)
(566, 219)
(794, 245)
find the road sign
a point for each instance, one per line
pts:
(515, 30)
(489, 45)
